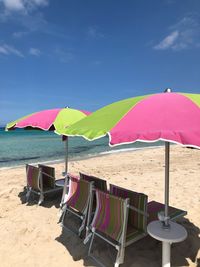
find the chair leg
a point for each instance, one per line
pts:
(82, 226)
(87, 237)
(28, 193)
(120, 256)
(41, 199)
(91, 242)
(62, 217)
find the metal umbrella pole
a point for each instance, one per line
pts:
(164, 230)
(66, 155)
(166, 246)
(65, 139)
(171, 232)
(167, 151)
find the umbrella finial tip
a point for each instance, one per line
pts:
(168, 90)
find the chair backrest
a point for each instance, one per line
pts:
(47, 181)
(138, 201)
(98, 182)
(32, 175)
(79, 194)
(110, 215)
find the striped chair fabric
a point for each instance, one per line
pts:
(32, 174)
(109, 216)
(137, 200)
(78, 195)
(99, 184)
(47, 181)
(121, 217)
(39, 183)
(77, 201)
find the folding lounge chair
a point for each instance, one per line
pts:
(153, 207)
(77, 201)
(48, 174)
(40, 181)
(99, 184)
(139, 215)
(112, 224)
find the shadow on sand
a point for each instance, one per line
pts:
(51, 199)
(143, 253)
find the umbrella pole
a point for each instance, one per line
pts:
(66, 171)
(166, 231)
(166, 246)
(66, 155)
(167, 150)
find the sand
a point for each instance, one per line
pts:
(30, 235)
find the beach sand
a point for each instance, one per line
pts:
(30, 235)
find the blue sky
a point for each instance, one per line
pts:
(86, 54)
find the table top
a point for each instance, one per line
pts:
(60, 182)
(176, 233)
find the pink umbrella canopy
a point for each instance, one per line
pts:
(169, 117)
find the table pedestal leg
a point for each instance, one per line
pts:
(166, 254)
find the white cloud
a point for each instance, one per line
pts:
(63, 55)
(93, 32)
(30, 18)
(184, 34)
(27, 14)
(24, 6)
(10, 50)
(3, 50)
(34, 52)
(19, 34)
(13, 5)
(97, 62)
(41, 2)
(168, 41)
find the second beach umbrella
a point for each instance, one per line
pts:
(56, 120)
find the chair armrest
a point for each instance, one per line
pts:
(138, 211)
(53, 178)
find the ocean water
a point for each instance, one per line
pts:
(32, 146)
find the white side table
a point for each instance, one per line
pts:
(60, 182)
(176, 233)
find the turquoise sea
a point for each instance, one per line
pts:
(32, 146)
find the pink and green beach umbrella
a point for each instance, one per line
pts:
(56, 120)
(173, 117)
(49, 120)
(170, 117)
